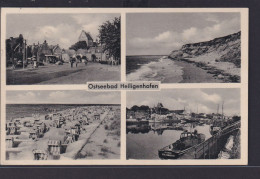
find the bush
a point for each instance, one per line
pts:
(117, 132)
(89, 154)
(104, 149)
(114, 125)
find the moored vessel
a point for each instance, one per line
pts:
(187, 140)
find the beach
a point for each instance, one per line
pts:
(164, 70)
(90, 136)
(63, 74)
(167, 70)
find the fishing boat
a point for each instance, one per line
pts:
(187, 140)
(216, 126)
(218, 123)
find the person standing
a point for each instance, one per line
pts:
(71, 62)
(76, 62)
(86, 62)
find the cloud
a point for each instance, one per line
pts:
(188, 33)
(212, 18)
(58, 95)
(163, 42)
(92, 29)
(27, 95)
(62, 34)
(62, 29)
(65, 97)
(163, 36)
(166, 41)
(23, 97)
(203, 100)
(214, 98)
(92, 22)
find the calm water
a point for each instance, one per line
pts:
(144, 143)
(135, 62)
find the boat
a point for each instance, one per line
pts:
(216, 126)
(218, 123)
(187, 140)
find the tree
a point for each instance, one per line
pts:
(135, 108)
(109, 37)
(29, 51)
(145, 108)
(79, 45)
(13, 46)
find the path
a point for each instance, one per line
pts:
(99, 144)
(63, 74)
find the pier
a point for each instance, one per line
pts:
(210, 148)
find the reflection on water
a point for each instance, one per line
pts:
(144, 140)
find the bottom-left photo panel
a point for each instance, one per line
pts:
(62, 125)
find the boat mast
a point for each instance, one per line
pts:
(222, 110)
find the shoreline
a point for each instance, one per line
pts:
(163, 70)
(135, 62)
(170, 70)
(217, 73)
(193, 74)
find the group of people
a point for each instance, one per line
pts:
(76, 61)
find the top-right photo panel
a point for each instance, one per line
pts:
(194, 47)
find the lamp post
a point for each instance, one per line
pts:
(24, 53)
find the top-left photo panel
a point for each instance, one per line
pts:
(61, 48)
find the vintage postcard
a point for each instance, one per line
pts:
(124, 86)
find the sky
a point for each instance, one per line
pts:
(161, 33)
(62, 29)
(206, 100)
(62, 97)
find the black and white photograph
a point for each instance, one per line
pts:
(60, 48)
(183, 47)
(164, 86)
(62, 125)
(184, 124)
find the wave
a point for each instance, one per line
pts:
(163, 70)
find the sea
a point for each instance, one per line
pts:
(142, 142)
(133, 63)
(26, 110)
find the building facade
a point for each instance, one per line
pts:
(94, 51)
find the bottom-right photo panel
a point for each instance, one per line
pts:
(197, 123)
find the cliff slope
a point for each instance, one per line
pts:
(223, 53)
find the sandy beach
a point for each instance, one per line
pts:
(193, 74)
(165, 70)
(63, 74)
(100, 141)
(171, 71)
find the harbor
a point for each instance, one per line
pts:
(161, 133)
